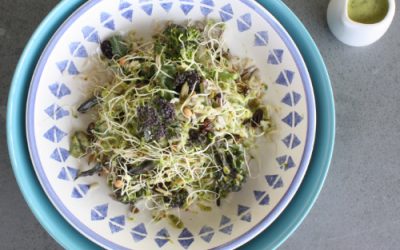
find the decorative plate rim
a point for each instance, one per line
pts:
(234, 243)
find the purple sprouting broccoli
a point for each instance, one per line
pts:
(155, 118)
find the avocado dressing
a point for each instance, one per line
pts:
(367, 11)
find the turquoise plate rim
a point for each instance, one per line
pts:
(273, 236)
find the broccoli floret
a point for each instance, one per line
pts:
(192, 78)
(155, 118)
(175, 38)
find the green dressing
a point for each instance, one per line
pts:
(367, 11)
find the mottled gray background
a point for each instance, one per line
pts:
(359, 206)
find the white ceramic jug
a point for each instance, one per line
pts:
(355, 33)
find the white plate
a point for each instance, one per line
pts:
(57, 87)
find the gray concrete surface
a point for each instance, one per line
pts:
(360, 202)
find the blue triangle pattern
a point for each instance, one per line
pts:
(207, 2)
(225, 17)
(207, 237)
(206, 229)
(244, 22)
(281, 159)
(287, 140)
(290, 163)
(296, 97)
(224, 220)
(84, 188)
(73, 172)
(73, 46)
(297, 119)
(226, 13)
(110, 25)
(104, 16)
(271, 179)
(279, 54)
(166, 6)
(186, 243)
(59, 90)
(148, 9)
(64, 154)
(185, 234)
(261, 38)
(287, 99)
(227, 9)
(123, 4)
(63, 90)
(140, 229)
(87, 31)
(56, 155)
(227, 229)
(59, 154)
(75, 194)
(258, 194)
(285, 162)
(278, 184)
(94, 38)
(281, 80)
(161, 242)
(72, 70)
(242, 209)
(264, 201)
(163, 233)
(120, 220)
(115, 228)
(275, 57)
(128, 15)
(296, 141)
(63, 175)
(54, 134)
(137, 237)
(289, 75)
(162, 237)
(186, 8)
(246, 217)
(288, 119)
(99, 212)
(205, 11)
(62, 65)
(56, 112)
(272, 60)
(81, 52)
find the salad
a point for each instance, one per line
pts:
(175, 124)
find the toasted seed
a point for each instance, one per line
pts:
(187, 112)
(118, 183)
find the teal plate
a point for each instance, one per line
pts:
(273, 236)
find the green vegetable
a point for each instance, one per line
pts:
(173, 126)
(79, 144)
(175, 221)
(119, 48)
